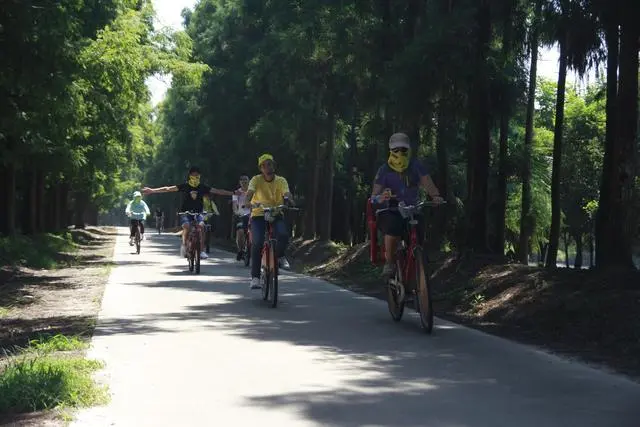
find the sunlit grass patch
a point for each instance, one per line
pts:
(40, 251)
(50, 344)
(46, 382)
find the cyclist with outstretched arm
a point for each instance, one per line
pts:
(400, 177)
(268, 190)
(193, 193)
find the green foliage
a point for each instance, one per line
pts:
(40, 251)
(32, 384)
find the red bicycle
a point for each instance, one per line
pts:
(409, 282)
(269, 258)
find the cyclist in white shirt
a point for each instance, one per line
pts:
(242, 212)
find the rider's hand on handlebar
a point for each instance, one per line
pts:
(437, 199)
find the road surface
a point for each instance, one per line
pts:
(186, 350)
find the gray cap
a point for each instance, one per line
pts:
(399, 140)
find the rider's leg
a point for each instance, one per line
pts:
(184, 220)
(257, 240)
(141, 228)
(282, 236)
(132, 228)
(201, 231)
(390, 224)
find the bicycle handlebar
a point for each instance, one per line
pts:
(192, 213)
(410, 208)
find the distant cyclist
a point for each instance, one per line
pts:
(159, 218)
(193, 193)
(270, 190)
(241, 212)
(137, 210)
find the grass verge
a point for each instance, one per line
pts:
(40, 251)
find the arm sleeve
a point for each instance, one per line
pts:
(285, 185)
(128, 208)
(206, 189)
(146, 208)
(420, 168)
(182, 187)
(379, 179)
(252, 185)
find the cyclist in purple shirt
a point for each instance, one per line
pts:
(396, 181)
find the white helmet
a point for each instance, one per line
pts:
(399, 140)
(137, 194)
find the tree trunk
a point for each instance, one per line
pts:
(578, 261)
(611, 158)
(616, 222)
(526, 215)
(591, 251)
(351, 202)
(311, 224)
(8, 223)
(480, 141)
(566, 249)
(327, 206)
(41, 204)
(81, 200)
(556, 213)
(29, 209)
(505, 114)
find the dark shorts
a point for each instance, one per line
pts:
(392, 224)
(242, 222)
(186, 219)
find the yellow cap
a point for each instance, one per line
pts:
(264, 158)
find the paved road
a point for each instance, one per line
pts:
(184, 350)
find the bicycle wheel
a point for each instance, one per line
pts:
(424, 302)
(247, 254)
(395, 296)
(138, 240)
(190, 256)
(274, 278)
(196, 255)
(266, 272)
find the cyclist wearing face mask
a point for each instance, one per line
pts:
(137, 210)
(193, 193)
(269, 190)
(399, 179)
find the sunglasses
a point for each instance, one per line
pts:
(400, 150)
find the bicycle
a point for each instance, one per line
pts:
(137, 236)
(193, 241)
(246, 248)
(269, 262)
(409, 282)
(160, 224)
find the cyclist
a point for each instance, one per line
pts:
(242, 213)
(193, 193)
(401, 176)
(270, 190)
(137, 210)
(159, 217)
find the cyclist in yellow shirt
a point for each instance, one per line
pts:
(267, 189)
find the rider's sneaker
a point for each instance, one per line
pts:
(255, 283)
(203, 255)
(284, 264)
(183, 251)
(388, 270)
(239, 256)
(130, 241)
